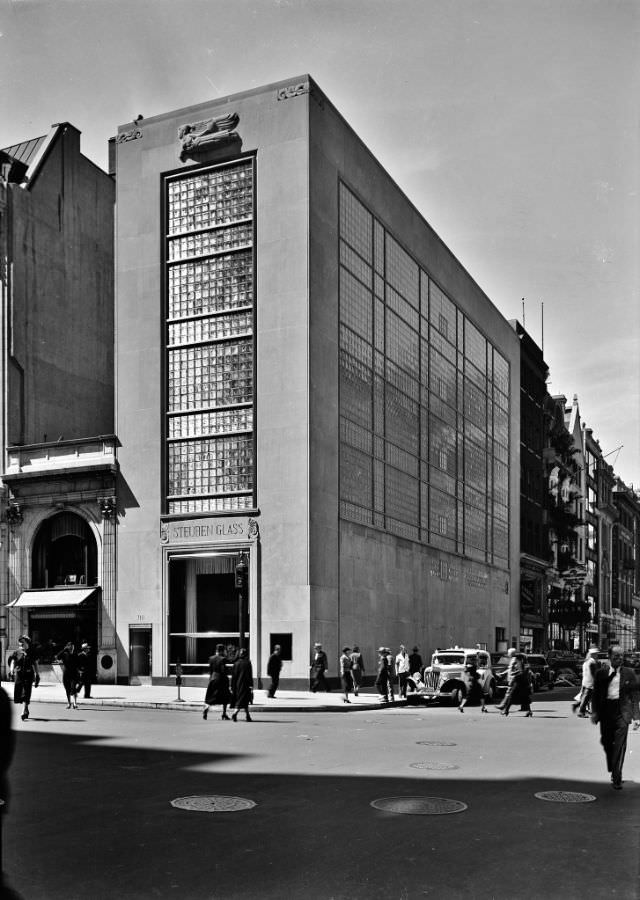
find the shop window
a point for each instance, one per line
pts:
(64, 553)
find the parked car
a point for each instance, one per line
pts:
(542, 674)
(444, 678)
(566, 666)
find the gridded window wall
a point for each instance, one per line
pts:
(424, 401)
(209, 266)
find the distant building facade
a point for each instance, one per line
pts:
(58, 465)
(600, 515)
(625, 584)
(535, 559)
(318, 407)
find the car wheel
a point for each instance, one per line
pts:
(457, 696)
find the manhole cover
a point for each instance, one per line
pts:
(437, 743)
(565, 797)
(213, 804)
(435, 766)
(419, 806)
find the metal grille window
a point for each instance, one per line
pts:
(209, 339)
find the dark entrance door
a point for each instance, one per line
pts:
(140, 655)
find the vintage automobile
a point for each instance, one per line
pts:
(445, 679)
(542, 675)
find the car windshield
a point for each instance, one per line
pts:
(448, 659)
(503, 661)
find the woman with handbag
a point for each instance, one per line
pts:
(242, 684)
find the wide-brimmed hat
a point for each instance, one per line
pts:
(382, 649)
(346, 649)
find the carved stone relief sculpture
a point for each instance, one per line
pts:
(198, 137)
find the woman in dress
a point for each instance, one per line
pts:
(69, 662)
(218, 687)
(23, 668)
(242, 684)
(473, 687)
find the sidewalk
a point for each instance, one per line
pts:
(191, 698)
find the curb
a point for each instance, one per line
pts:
(191, 706)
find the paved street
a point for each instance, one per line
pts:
(90, 812)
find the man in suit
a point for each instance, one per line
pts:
(274, 665)
(614, 705)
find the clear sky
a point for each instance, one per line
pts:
(512, 125)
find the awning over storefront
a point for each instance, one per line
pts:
(53, 597)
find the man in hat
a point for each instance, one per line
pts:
(86, 668)
(589, 667)
(274, 665)
(614, 706)
(415, 661)
(319, 665)
(383, 680)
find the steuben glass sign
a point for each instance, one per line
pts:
(190, 531)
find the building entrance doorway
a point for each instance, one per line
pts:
(140, 648)
(207, 607)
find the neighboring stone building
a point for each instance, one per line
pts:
(625, 577)
(600, 514)
(534, 495)
(56, 277)
(309, 383)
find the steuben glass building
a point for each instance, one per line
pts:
(309, 383)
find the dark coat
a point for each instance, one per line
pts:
(218, 687)
(629, 687)
(274, 664)
(242, 683)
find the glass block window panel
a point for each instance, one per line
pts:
(500, 482)
(378, 484)
(475, 465)
(210, 328)
(475, 346)
(210, 375)
(500, 540)
(209, 423)
(402, 460)
(208, 243)
(475, 528)
(356, 436)
(401, 496)
(378, 247)
(442, 313)
(399, 305)
(402, 344)
(356, 484)
(501, 425)
(356, 305)
(402, 273)
(402, 423)
(500, 372)
(214, 197)
(211, 466)
(209, 272)
(442, 378)
(355, 264)
(210, 285)
(442, 345)
(356, 223)
(424, 295)
(442, 513)
(356, 379)
(475, 404)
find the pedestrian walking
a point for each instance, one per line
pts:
(274, 666)
(345, 666)
(392, 672)
(514, 678)
(23, 670)
(68, 659)
(383, 679)
(319, 666)
(86, 669)
(357, 668)
(583, 702)
(415, 661)
(402, 671)
(474, 691)
(242, 684)
(524, 688)
(614, 706)
(218, 687)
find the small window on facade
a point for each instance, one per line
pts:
(285, 640)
